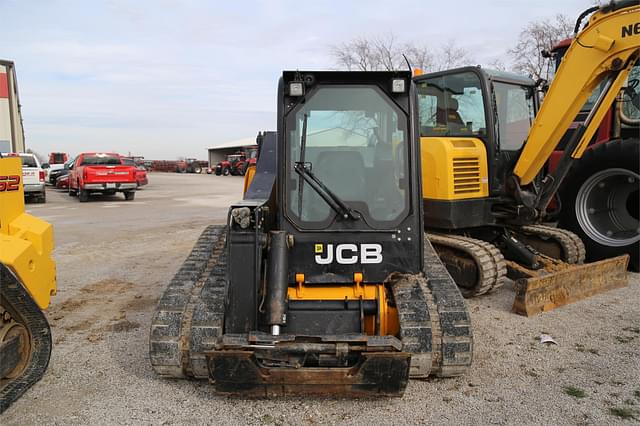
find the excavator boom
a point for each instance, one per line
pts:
(602, 53)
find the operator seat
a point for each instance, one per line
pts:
(449, 115)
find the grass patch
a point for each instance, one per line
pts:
(624, 412)
(575, 392)
(267, 419)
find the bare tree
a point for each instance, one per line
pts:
(536, 37)
(419, 56)
(450, 56)
(358, 54)
(386, 53)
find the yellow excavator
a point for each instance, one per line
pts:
(485, 142)
(27, 282)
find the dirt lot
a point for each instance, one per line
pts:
(115, 258)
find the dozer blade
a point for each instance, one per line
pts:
(561, 283)
(277, 368)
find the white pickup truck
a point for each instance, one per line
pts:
(32, 176)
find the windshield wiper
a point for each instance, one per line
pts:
(303, 169)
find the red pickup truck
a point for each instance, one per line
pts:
(101, 172)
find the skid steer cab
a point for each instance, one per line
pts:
(335, 224)
(322, 281)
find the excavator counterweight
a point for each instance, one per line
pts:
(27, 281)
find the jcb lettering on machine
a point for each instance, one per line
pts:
(348, 254)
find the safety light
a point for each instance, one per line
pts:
(296, 88)
(398, 85)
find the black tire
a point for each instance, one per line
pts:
(242, 169)
(600, 201)
(226, 171)
(42, 198)
(197, 169)
(83, 195)
(129, 195)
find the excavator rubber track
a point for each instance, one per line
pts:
(187, 341)
(543, 238)
(22, 363)
(477, 266)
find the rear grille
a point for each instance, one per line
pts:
(466, 175)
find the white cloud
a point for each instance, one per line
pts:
(167, 78)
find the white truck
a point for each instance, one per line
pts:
(32, 176)
(11, 131)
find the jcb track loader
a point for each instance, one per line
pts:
(483, 152)
(27, 281)
(322, 281)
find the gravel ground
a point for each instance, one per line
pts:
(115, 258)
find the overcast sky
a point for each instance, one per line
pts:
(166, 79)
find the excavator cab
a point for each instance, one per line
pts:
(322, 281)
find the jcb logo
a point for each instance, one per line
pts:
(9, 183)
(348, 254)
(631, 29)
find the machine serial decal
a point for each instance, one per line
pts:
(348, 254)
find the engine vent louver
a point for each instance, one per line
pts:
(466, 175)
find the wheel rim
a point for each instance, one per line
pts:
(607, 207)
(8, 329)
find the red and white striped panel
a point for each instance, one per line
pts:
(4, 83)
(5, 123)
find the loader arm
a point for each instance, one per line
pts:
(602, 53)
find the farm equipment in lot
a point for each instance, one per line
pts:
(484, 148)
(236, 164)
(27, 281)
(189, 165)
(322, 281)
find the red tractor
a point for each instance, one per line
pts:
(236, 164)
(189, 165)
(599, 198)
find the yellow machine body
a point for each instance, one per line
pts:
(26, 242)
(454, 168)
(609, 43)
(248, 177)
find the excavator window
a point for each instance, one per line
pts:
(355, 145)
(451, 105)
(515, 113)
(630, 108)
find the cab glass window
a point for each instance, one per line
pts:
(452, 105)
(356, 146)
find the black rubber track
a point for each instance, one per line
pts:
(14, 296)
(456, 336)
(190, 312)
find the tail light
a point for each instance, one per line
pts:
(41, 175)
